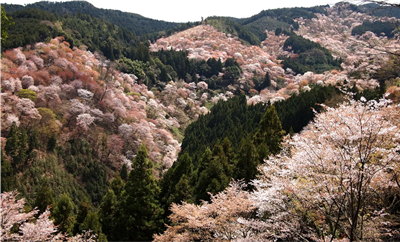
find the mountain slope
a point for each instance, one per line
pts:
(35, 25)
(134, 22)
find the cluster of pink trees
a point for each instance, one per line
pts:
(362, 55)
(85, 93)
(31, 225)
(336, 180)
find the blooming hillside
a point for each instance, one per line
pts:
(362, 55)
(335, 181)
(71, 93)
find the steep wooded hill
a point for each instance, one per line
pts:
(136, 23)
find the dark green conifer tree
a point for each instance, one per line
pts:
(44, 197)
(124, 172)
(52, 143)
(63, 214)
(22, 157)
(12, 143)
(92, 223)
(83, 210)
(33, 140)
(108, 214)
(247, 161)
(140, 209)
(117, 185)
(7, 175)
(180, 188)
(270, 131)
(216, 175)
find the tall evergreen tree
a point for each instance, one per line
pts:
(141, 211)
(23, 147)
(180, 187)
(12, 143)
(117, 185)
(44, 197)
(92, 223)
(33, 139)
(83, 210)
(7, 175)
(63, 214)
(124, 172)
(216, 175)
(247, 161)
(5, 22)
(270, 132)
(108, 214)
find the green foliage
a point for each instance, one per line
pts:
(172, 65)
(377, 27)
(117, 185)
(84, 209)
(124, 172)
(133, 22)
(378, 9)
(390, 71)
(263, 83)
(31, 26)
(232, 74)
(5, 22)
(207, 165)
(7, 175)
(278, 19)
(214, 172)
(312, 56)
(176, 185)
(47, 129)
(52, 143)
(82, 161)
(270, 131)
(48, 170)
(44, 197)
(63, 214)
(108, 214)
(17, 147)
(35, 25)
(92, 223)
(136, 67)
(231, 27)
(297, 111)
(140, 211)
(232, 119)
(247, 161)
(11, 147)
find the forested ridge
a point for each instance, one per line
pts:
(278, 127)
(136, 23)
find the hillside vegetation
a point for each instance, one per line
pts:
(136, 23)
(281, 126)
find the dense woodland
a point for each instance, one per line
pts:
(229, 129)
(311, 56)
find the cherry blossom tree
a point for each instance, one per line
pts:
(77, 107)
(12, 213)
(218, 220)
(31, 229)
(27, 108)
(335, 181)
(83, 121)
(335, 175)
(115, 144)
(85, 94)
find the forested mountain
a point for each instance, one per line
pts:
(273, 127)
(136, 23)
(34, 25)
